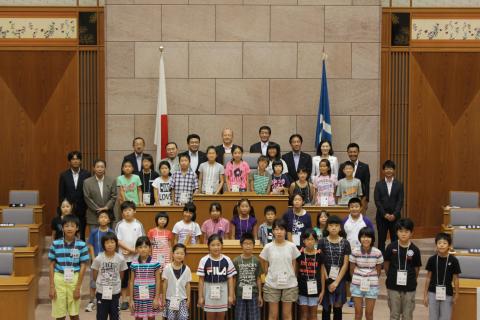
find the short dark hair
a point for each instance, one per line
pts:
(298, 193)
(303, 169)
(388, 164)
(190, 207)
(353, 145)
(279, 223)
(179, 246)
(269, 208)
(295, 135)
(443, 236)
(184, 155)
(247, 236)
(265, 128)
(141, 241)
(276, 163)
(70, 218)
(125, 161)
(307, 233)
(171, 142)
(334, 220)
(215, 205)
(104, 212)
(319, 147)
(367, 232)
(404, 223)
(149, 158)
(75, 153)
(164, 163)
(128, 205)
(109, 236)
(262, 158)
(138, 138)
(355, 200)
(214, 237)
(193, 136)
(276, 147)
(161, 214)
(99, 160)
(348, 163)
(211, 148)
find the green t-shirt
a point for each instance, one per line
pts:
(248, 271)
(130, 186)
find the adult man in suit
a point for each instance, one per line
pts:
(388, 197)
(172, 156)
(197, 157)
(227, 146)
(296, 158)
(261, 147)
(136, 157)
(100, 193)
(361, 172)
(70, 186)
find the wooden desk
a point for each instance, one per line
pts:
(37, 213)
(466, 306)
(146, 215)
(27, 261)
(36, 234)
(340, 211)
(18, 297)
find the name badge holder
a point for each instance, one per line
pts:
(215, 292)
(440, 288)
(312, 287)
(402, 275)
(146, 198)
(174, 303)
(247, 292)
(184, 197)
(334, 272)
(365, 284)
(165, 202)
(143, 292)
(235, 188)
(107, 292)
(296, 239)
(282, 278)
(324, 201)
(147, 194)
(68, 274)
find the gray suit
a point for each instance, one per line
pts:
(94, 199)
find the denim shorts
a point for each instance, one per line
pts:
(308, 301)
(370, 294)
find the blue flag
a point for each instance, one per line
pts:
(324, 129)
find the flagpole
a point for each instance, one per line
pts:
(161, 122)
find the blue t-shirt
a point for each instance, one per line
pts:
(68, 254)
(95, 240)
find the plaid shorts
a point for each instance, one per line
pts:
(247, 309)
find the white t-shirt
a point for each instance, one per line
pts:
(128, 232)
(182, 229)
(210, 176)
(109, 271)
(279, 258)
(163, 190)
(177, 287)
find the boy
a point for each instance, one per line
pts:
(94, 248)
(184, 183)
(355, 222)
(265, 232)
(248, 282)
(348, 187)
(442, 270)
(68, 261)
(402, 265)
(128, 230)
(260, 181)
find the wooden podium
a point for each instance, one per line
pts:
(466, 306)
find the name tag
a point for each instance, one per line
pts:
(146, 198)
(235, 188)
(174, 303)
(323, 201)
(68, 274)
(365, 284)
(401, 278)
(165, 202)
(296, 239)
(247, 292)
(334, 271)
(161, 259)
(184, 197)
(282, 278)
(269, 237)
(75, 253)
(441, 293)
(215, 292)
(143, 292)
(107, 292)
(312, 287)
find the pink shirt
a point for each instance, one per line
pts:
(220, 227)
(237, 174)
(161, 249)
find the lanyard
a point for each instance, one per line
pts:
(306, 265)
(65, 255)
(211, 268)
(240, 223)
(339, 252)
(445, 273)
(398, 255)
(366, 257)
(295, 220)
(147, 190)
(109, 280)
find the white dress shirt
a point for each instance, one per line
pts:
(264, 146)
(193, 160)
(100, 184)
(355, 168)
(75, 175)
(389, 185)
(296, 159)
(227, 149)
(139, 160)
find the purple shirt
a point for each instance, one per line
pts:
(242, 226)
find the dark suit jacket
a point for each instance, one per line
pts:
(133, 158)
(385, 203)
(66, 189)
(362, 173)
(202, 157)
(304, 161)
(257, 147)
(221, 151)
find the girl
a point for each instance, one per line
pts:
(303, 187)
(176, 285)
(297, 220)
(216, 224)
(129, 185)
(147, 176)
(161, 239)
(145, 282)
(161, 185)
(211, 174)
(243, 219)
(324, 151)
(365, 267)
(215, 280)
(311, 276)
(322, 218)
(237, 171)
(279, 262)
(260, 181)
(325, 183)
(66, 208)
(336, 250)
(187, 230)
(280, 181)
(273, 153)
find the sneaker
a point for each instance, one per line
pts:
(90, 306)
(350, 303)
(124, 306)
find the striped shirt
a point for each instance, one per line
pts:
(365, 265)
(216, 270)
(68, 254)
(144, 276)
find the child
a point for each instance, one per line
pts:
(279, 261)
(211, 174)
(216, 224)
(280, 181)
(161, 239)
(237, 171)
(127, 231)
(161, 185)
(215, 280)
(183, 183)
(402, 265)
(145, 282)
(355, 221)
(129, 185)
(348, 187)
(273, 153)
(108, 271)
(248, 281)
(297, 219)
(95, 247)
(311, 276)
(322, 218)
(243, 219)
(66, 208)
(260, 181)
(147, 176)
(176, 285)
(68, 260)
(325, 184)
(187, 231)
(303, 187)
(336, 250)
(365, 267)
(443, 269)
(265, 232)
